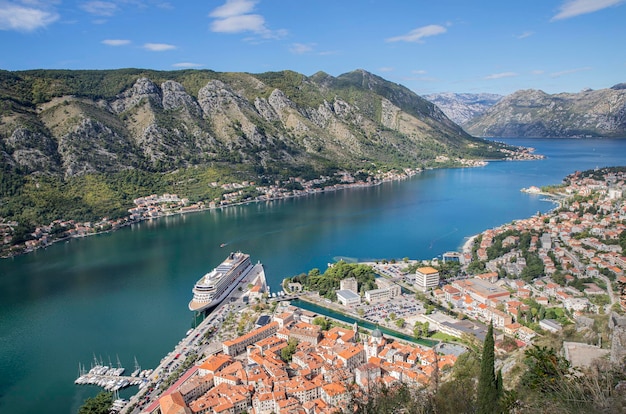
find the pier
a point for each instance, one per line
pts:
(109, 378)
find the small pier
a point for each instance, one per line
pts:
(109, 378)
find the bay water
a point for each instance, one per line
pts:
(124, 294)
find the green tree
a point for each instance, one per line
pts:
(287, 352)
(322, 322)
(487, 394)
(100, 404)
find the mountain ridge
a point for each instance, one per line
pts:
(535, 113)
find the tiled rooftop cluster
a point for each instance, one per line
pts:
(326, 370)
(598, 214)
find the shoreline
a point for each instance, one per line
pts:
(469, 243)
(129, 222)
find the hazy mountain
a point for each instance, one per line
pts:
(534, 113)
(463, 107)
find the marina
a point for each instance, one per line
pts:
(109, 377)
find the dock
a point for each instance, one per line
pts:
(111, 379)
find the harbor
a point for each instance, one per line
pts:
(111, 378)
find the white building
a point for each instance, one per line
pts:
(348, 297)
(378, 295)
(426, 278)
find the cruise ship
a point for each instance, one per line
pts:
(213, 287)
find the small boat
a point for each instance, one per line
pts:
(223, 244)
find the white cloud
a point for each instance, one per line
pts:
(158, 47)
(115, 42)
(100, 8)
(301, 48)
(419, 72)
(24, 19)
(187, 65)
(525, 35)
(416, 35)
(235, 16)
(501, 75)
(237, 24)
(537, 72)
(572, 8)
(386, 69)
(569, 72)
(233, 8)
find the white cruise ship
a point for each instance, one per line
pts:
(213, 287)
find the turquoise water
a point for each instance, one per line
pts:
(126, 293)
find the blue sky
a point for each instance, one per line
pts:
(429, 46)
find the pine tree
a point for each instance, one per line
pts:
(487, 398)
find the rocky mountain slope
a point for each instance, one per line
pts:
(463, 107)
(534, 113)
(78, 122)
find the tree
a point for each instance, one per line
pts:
(487, 398)
(100, 404)
(322, 322)
(287, 352)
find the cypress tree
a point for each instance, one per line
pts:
(487, 398)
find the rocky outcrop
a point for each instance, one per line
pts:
(617, 324)
(144, 90)
(176, 98)
(534, 113)
(32, 150)
(94, 147)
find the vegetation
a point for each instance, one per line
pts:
(323, 322)
(100, 404)
(489, 386)
(287, 352)
(328, 282)
(547, 385)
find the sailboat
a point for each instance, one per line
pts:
(137, 369)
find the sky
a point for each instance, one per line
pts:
(495, 46)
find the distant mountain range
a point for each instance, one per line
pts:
(534, 113)
(463, 107)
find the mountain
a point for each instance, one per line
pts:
(534, 113)
(83, 144)
(463, 107)
(77, 122)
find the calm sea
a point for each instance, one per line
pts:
(125, 294)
